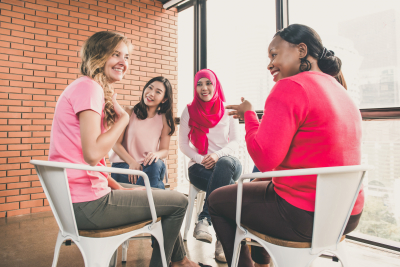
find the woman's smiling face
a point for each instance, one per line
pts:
(285, 59)
(205, 89)
(118, 63)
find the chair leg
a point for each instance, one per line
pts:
(113, 261)
(239, 236)
(125, 247)
(193, 191)
(200, 202)
(157, 232)
(342, 254)
(60, 240)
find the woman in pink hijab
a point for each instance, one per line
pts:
(213, 135)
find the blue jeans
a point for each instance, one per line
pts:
(225, 172)
(155, 172)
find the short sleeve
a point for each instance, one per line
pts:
(88, 95)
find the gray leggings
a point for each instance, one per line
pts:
(121, 207)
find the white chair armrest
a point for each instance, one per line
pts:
(65, 165)
(284, 173)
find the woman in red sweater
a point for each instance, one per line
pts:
(309, 121)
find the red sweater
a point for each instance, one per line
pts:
(309, 121)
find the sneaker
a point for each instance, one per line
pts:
(201, 231)
(219, 252)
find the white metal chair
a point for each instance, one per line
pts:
(194, 193)
(337, 191)
(97, 246)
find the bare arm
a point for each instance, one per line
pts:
(95, 145)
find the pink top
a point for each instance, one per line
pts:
(309, 121)
(141, 137)
(65, 141)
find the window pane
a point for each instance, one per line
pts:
(381, 149)
(238, 35)
(365, 35)
(185, 58)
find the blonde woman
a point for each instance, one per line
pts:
(87, 123)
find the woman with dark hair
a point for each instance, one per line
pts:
(146, 138)
(309, 121)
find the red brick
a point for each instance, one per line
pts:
(20, 96)
(9, 180)
(20, 109)
(9, 206)
(34, 66)
(45, 38)
(17, 172)
(20, 59)
(19, 134)
(19, 147)
(32, 153)
(9, 128)
(36, 7)
(29, 178)
(68, 18)
(18, 160)
(18, 198)
(18, 212)
(46, 14)
(41, 209)
(31, 190)
(31, 203)
(3, 213)
(35, 18)
(10, 141)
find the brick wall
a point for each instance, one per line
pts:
(39, 44)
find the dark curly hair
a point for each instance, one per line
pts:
(327, 61)
(166, 108)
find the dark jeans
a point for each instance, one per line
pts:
(225, 172)
(263, 211)
(155, 172)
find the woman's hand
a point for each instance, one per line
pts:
(210, 160)
(119, 111)
(239, 110)
(134, 166)
(150, 157)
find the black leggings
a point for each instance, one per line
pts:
(263, 211)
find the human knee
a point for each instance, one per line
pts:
(157, 165)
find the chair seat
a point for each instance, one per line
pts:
(282, 242)
(115, 230)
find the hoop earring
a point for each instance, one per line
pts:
(305, 65)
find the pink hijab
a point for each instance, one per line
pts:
(205, 115)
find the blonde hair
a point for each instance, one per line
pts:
(95, 53)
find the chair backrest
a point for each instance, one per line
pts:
(55, 185)
(335, 198)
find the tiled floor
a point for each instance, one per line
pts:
(29, 240)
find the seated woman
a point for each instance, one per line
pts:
(207, 125)
(146, 139)
(87, 122)
(309, 121)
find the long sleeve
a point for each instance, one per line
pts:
(268, 142)
(184, 146)
(233, 143)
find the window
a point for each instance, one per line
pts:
(185, 58)
(238, 35)
(365, 35)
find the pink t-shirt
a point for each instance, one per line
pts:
(141, 137)
(65, 141)
(309, 121)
